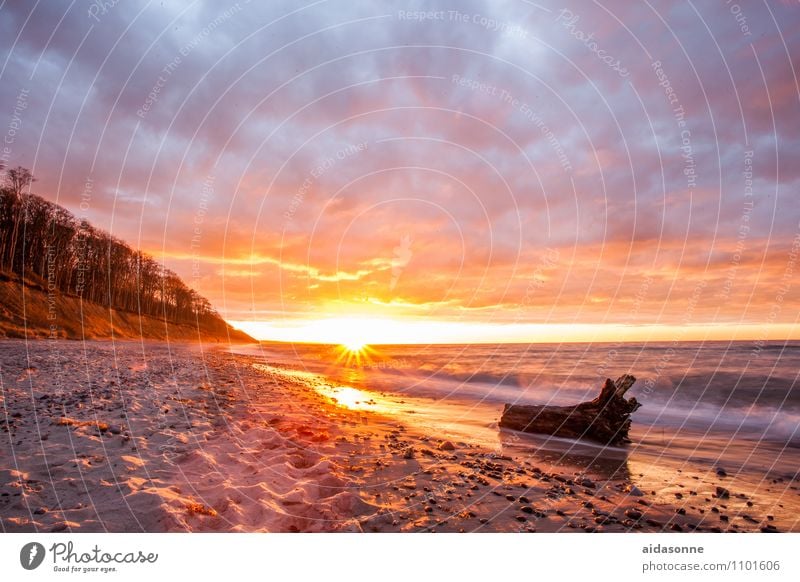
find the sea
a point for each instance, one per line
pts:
(706, 406)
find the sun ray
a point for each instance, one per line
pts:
(353, 353)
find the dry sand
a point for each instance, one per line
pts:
(130, 436)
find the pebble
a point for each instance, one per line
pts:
(722, 493)
(634, 490)
(633, 513)
(447, 446)
(601, 519)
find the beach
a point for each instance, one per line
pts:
(160, 437)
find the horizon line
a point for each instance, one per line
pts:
(383, 331)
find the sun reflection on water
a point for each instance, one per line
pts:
(348, 397)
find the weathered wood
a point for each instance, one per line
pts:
(606, 419)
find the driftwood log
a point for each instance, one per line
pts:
(606, 419)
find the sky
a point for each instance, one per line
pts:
(476, 170)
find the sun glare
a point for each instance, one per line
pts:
(354, 345)
(353, 351)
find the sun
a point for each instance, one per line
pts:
(353, 350)
(354, 345)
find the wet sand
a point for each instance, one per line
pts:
(132, 436)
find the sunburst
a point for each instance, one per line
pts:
(353, 353)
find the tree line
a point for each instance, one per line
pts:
(38, 237)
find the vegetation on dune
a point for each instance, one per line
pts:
(40, 240)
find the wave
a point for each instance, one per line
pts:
(766, 408)
(718, 386)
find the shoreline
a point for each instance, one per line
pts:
(138, 437)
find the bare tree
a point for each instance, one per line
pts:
(17, 180)
(43, 240)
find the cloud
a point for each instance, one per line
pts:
(297, 144)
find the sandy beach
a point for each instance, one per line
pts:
(154, 437)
